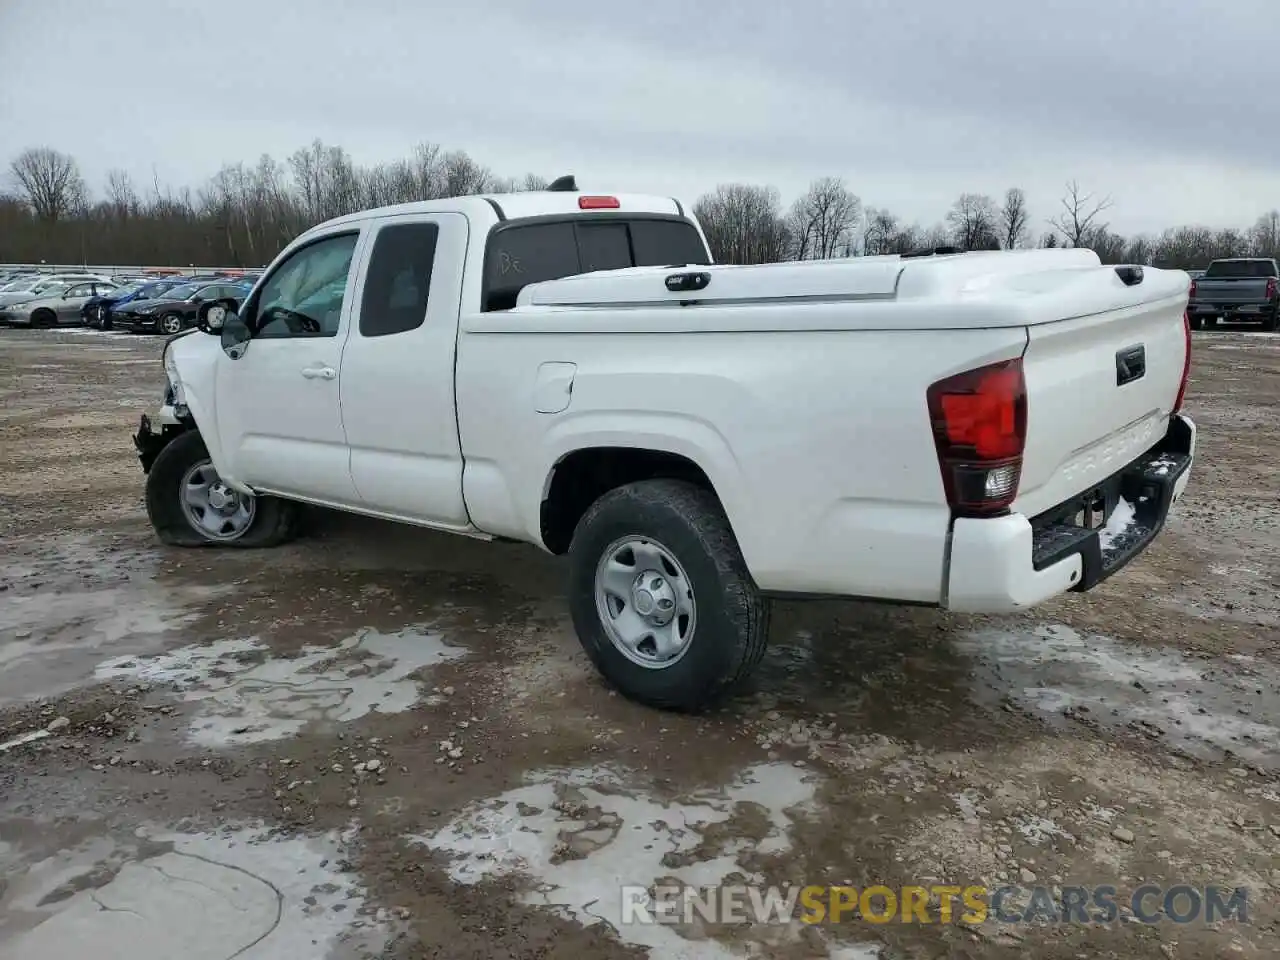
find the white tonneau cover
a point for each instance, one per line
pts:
(999, 288)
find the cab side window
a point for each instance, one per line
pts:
(398, 282)
(304, 296)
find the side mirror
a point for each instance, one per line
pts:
(211, 318)
(233, 331)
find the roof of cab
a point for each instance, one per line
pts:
(517, 206)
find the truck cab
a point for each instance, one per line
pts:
(353, 332)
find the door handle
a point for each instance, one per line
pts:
(319, 373)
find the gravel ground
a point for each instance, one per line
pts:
(379, 742)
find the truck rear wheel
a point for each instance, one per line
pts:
(190, 506)
(661, 598)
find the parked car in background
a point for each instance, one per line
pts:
(32, 288)
(176, 309)
(58, 306)
(98, 312)
(95, 311)
(1239, 290)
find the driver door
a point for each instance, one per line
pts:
(279, 419)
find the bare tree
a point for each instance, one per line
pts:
(1013, 219)
(122, 199)
(1264, 235)
(878, 236)
(823, 221)
(50, 181)
(1079, 215)
(1110, 247)
(973, 220)
(743, 223)
(1140, 249)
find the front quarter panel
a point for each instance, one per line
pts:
(196, 356)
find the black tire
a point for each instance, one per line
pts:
(1272, 323)
(275, 521)
(1197, 323)
(44, 318)
(731, 627)
(170, 319)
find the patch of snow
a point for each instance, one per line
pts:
(1055, 669)
(1037, 830)
(29, 737)
(580, 845)
(1121, 519)
(247, 696)
(969, 808)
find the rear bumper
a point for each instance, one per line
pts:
(1005, 564)
(1231, 311)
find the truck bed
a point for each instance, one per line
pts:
(849, 349)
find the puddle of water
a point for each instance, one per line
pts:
(197, 896)
(247, 696)
(579, 837)
(52, 640)
(1205, 707)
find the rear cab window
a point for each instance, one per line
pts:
(1238, 269)
(521, 252)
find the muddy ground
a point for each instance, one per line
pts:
(379, 742)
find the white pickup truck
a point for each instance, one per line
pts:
(977, 432)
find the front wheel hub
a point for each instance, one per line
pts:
(653, 597)
(646, 603)
(213, 509)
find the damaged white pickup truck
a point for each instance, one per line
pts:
(974, 431)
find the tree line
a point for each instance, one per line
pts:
(246, 213)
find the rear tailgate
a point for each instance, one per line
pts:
(1231, 291)
(1101, 385)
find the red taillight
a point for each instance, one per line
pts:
(1271, 288)
(1186, 364)
(979, 422)
(598, 203)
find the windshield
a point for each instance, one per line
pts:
(1237, 269)
(125, 290)
(183, 291)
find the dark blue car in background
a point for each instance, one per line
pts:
(97, 312)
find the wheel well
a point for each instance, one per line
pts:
(584, 476)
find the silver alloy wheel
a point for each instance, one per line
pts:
(645, 602)
(171, 323)
(213, 509)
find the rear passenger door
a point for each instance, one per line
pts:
(397, 371)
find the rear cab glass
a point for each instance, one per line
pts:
(521, 252)
(1240, 269)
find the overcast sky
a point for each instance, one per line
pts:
(1170, 106)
